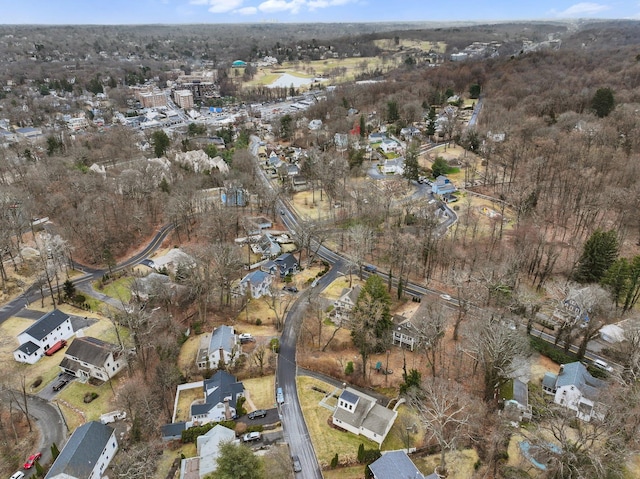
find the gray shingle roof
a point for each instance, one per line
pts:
(46, 324)
(576, 374)
(395, 465)
(28, 348)
(223, 337)
(349, 397)
(90, 350)
(222, 385)
(82, 451)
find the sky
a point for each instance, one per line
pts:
(108, 12)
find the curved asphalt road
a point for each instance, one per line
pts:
(13, 307)
(47, 418)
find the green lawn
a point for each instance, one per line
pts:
(119, 289)
(326, 440)
(74, 393)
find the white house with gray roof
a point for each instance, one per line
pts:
(41, 335)
(222, 347)
(221, 394)
(396, 465)
(574, 388)
(208, 451)
(87, 453)
(360, 414)
(343, 306)
(89, 357)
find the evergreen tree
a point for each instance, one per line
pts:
(599, 253)
(371, 320)
(431, 122)
(393, 114)
(69, 289)
(617, 278)
(363, 127)
(55, 452)
(411, 165)
(236, 461)
(160, 142)
(603, 102)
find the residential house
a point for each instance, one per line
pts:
(221, 394)
(574, 388)
(174, 260)
(274, 161)
(409, 132)
(89, 357)
(267, 246)
(390, 146)
(87, 453)
(404, 333)
(29, 133)
(360, 414)
(223, 346)
(518, 408)
(208, 450)
(442, 186)
(574, 308)
(284, 265)
(257, 284)
(393, 166)
(395, 465)
(40, 336)
(343, 306)
(377, 137)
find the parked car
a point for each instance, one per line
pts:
(251, 436)
(369, 268)
(446, 297)
(32, 459)
(291, 289)
(297, 467)
(258, 413)
(62, 383)
(600, 364)
(245, 338)
(17, 475)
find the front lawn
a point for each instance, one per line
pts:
(326, 440)
(119, 289)
(75, 392)
(261, 391)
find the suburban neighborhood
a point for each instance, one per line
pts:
(398, 255)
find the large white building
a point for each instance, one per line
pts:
(41, 335)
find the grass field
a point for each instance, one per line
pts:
(262, 391)
(326, 440)
(119, 289)
(74, 394)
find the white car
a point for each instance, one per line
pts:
(446, 297)
(251, 436)
(17, 475)
(599, 363)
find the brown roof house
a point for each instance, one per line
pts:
(360, 414)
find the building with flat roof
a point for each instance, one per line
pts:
(183, 98)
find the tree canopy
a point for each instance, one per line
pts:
(160, 142)
(598, 254)
(237, 461)
(603, 102)
(371, 319)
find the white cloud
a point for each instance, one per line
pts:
(315, 4)
(246, 11)
(271, 6)
(583, 9)
(218, 6)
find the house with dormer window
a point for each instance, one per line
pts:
(360, 414)
(576, 389)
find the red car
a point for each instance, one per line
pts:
(32, 459)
